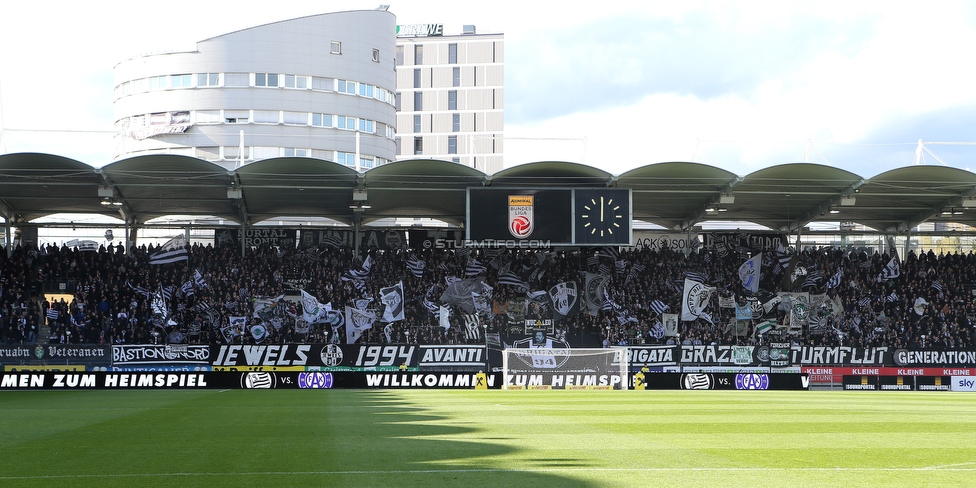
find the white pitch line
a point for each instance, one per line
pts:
(972, 467)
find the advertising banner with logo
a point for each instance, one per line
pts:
(325, 357)
(906, 357)
(257, 236)
(453, 357)
(658, 241)
(743, 241)
(519, 214)
(643, 356)
(246, 380)
(840, 355)
(726, 381)
(827, 375)
(56, 353)
(132, 354)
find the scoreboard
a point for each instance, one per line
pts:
(559, 216)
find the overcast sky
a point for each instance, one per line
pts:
(738, 85)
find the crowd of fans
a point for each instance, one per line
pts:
(116, 296)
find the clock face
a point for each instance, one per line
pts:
(603, 216)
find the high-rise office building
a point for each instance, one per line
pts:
(450, 95)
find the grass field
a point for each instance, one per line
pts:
(486, 438)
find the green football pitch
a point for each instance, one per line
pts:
(434, 438)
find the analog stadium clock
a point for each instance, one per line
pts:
(602, 216)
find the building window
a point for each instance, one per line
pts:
(346, 122)
(457, 76)
(158, 82)
(336, 47)
(418, 54)
(292, 81)
(418, 145)
(376, 55)
(452, 144)
(295, 152)
(347, 87)
(237, 116)
(266, 117)
(348, 159)
(295, 118)
(416, 78)
(207, 116)
(366, 125)
(180, 81)
(416, 124)
(366, 162)
(452, 53)
(236, 79)
(399, 55)
(456, 123)
(208, 79)
(418, 101)
(322, 120)
(396, 102)
(266, 79)
(365, 90)
(452, 100)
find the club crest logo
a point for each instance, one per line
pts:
(521, 219)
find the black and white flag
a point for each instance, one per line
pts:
(472, 327)
(167, 257)
(392, 298)
(357, 321)
(565, 299)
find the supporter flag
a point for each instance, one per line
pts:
(445, 317)
(657, 330)
(458, 293)
(259, 332)
(893, 297)
(565, 300)
(835, 280)
(234, 328)
(416, 266)
(472, 327)
(357, 321)
(635, 271)
(694, 299)
(52, 314)
(659, 307)
(83, 245)
(594, 291)
(892, 269)
(312, 311)
(392, 298)
(474, 268)
(749, 273)
(937, 284)
(198, 279)
(507, 277)
(158, 304)
(764, 326)
(671, 324)
(167, 257)
(794, 275)
(187, 289)
(359, 274)
(920, 305)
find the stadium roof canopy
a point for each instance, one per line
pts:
(675, 195)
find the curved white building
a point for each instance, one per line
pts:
(321, 86)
